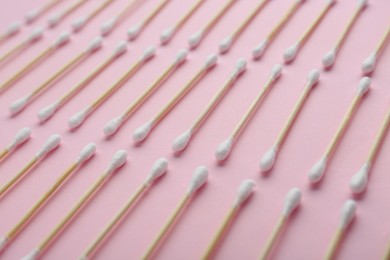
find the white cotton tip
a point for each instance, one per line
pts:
(32, 15)
(224, 149)
(47, 112)
(368, 65)
(348, 213)
(33, 255)
(181, 141)
(166, 35)
(225, 45)
(107, 27)
(290, 53)
(79, 23)
(195, 39)
(291, 202)
(18, 105)
(330, 2)
(259, 50)
(276, 72)
(313, 77)
(118, 160)
(181, 57)
(77, 119)
(22, 136)
(211, 61)
(149, 53)
(329, 59)
(88, 151)
(120, 49)
(3, 242)
(35, 35)
(199, 178)
(245, 190)
(112, 126)
(364, 86)
(52, 143)
(63, 39)
(142, 132)
(362, 3)
(54, 19)
(239, 68)
(317, 171)
(12, 29)
(134, 32)
(159, 168)
(95, 44)
(268, 159)
(359, 181)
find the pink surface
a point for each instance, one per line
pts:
(311, 228)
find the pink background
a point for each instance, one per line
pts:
(311, 228)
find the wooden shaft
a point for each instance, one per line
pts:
(379, 139)
(387, 253)
(18, 176)
(348, 28)
(4, 153)
(183, 203)
(35, 209)
(251, 110)
(344, 124)
(99, 9)
(218, 16)
(73, 8)
(128, 7)
(331, 253)
(383, 42)
(115, 221)
(73, 213)
(153, 14)
(274, 236)
(14, 50)
(49, 5)
(38, 59)
(190, 12)
(220, 233)
(297, 108)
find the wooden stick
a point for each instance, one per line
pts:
(19, 47)
(379, 139)
(126, 9)
(3, 154)
(387, 253)
(274, 236)
(383, 42)
(331, 253)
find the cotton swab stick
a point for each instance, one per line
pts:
(199, 178)
(359, 181)
(387, 253)
(48, 111)
(260, 49)
(369, 63)
(225, 147)
(227, 43)
(111, 127)
(20, 138)
(292, 51)
(291, 202)
(182, 141)
(34, 36)
(84, 156)
(330, 57)
(136, 29)
(348, 213)
(78, 119)
(158, 170)
(82, 21)
(142, 132)
(168, 33)
(10, 31)
(59, 42)
(197, 37)
(245, 190)
(51, 144)
(317, 171)
(34, 14)
(56, 18)
(20, 104)
(117, 161)
(268, 160)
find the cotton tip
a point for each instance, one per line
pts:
(134, 31)
(330, 2)
(112, 126)
(317, 171)
(181, 57)
(181, 141)
(79, 23)
(12, 29)
(313, 77)
(22, 136)
(107, 27)
(47, 112)
(95, 44)
(142, 132)
(291, 202)
(225, 45)
(149, 53)
(19, 105)
(33, 255)
(35, 35)
(268, 160)
(245, 190)
(3, 242)
(364, 85)
(77, 119)
(54, 19)
(359, 181)
(88, 151)
(329, 59)
(224, 149)
(368, 65)
(199, 178)
(276, 72)
(211, 61)
(259, 50)
(32, 15)
(166, 35)
(63, 39)
(195, 39)
(348, 213)
(52, 143)
(120, 49)
(290, 53)
(118, 160)
(159, 168)
(239, 68)
(362, 3)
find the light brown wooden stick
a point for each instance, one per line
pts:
(379, 139)
(387, 253)
(331, 253)
(383, 42)
(13, 51)
(217, 17)
(155, 12)
(3, 154)
(274, 236)
(188, 14)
